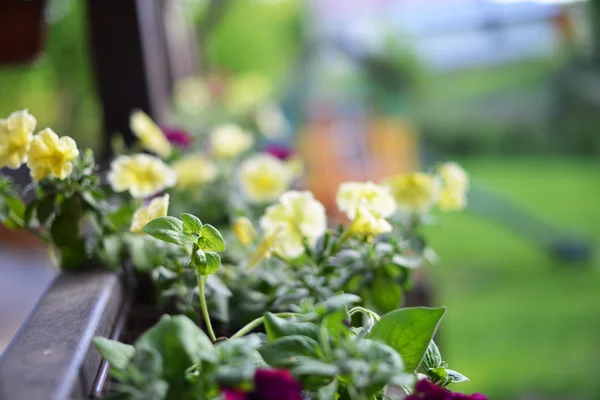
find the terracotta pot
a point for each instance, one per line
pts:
(22, 30)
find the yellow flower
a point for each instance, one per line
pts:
(414, 192)
(247, 91)
(453, 198)
(295, 218)
(141, 174)
(156, 208)
(264, 178)
(375, 198)
(367, 223)
(263, 250)
(193, 171)
(151, 136)
(244, 230)
(51, 155)
(191, 96)
(453, 174)
(367, 205)
(229, 141)
(455, 184)
(16, 133)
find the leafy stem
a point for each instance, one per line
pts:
(209, 328)
(258, 321)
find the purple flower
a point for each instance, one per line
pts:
(278, 150)
(427, 390)
(178, 137)
(269, 384)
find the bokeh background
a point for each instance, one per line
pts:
(510, 89)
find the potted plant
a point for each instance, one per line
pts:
(273, 301)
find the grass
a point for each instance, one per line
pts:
(518, 321)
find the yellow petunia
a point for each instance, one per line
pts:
(150, 135)
(295, 218)
(263, 250)
(51, 155)
(141, 174)
(229, 141)
(264, 178)
(414, 192)
(452, 174)
(158, 207)
(452, 198)
(194, 171)
(368, 223)
(244, 230)
(367, 205)
(16, 133)
(454, 187)
(191, 96)
(247, 92)
(375, 198)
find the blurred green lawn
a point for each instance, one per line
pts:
(518, 321)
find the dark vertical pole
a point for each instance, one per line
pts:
(132, 62)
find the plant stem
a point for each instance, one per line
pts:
(258, 321)
(209, 327)
(365, 311)
(21, 223)
(338, 245)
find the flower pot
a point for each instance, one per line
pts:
(22, 30)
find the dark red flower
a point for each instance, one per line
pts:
(232, 394)
(178, 137)
(278, 150)
(269, 384)
(427, 390)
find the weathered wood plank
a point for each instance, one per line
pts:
(52, 356)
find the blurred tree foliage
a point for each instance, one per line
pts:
(58, 87)
(241, 36)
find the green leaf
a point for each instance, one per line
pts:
(286, 352)
(16, 206)
(168, 229)
(409, 331)
(410, 262)
(384, 293)
(313, 367)
(278, 327)
(117, 354)
(328, 392)
(65, 227)
(121, 217)
(180, 343)
(212, 264)
(456, 377)
(433, 358)
(337, 322)
(111, 250)
(336, 302)
(30, 211)
(45, 209)
(211, 239)
(191, 223)
(198, 260)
